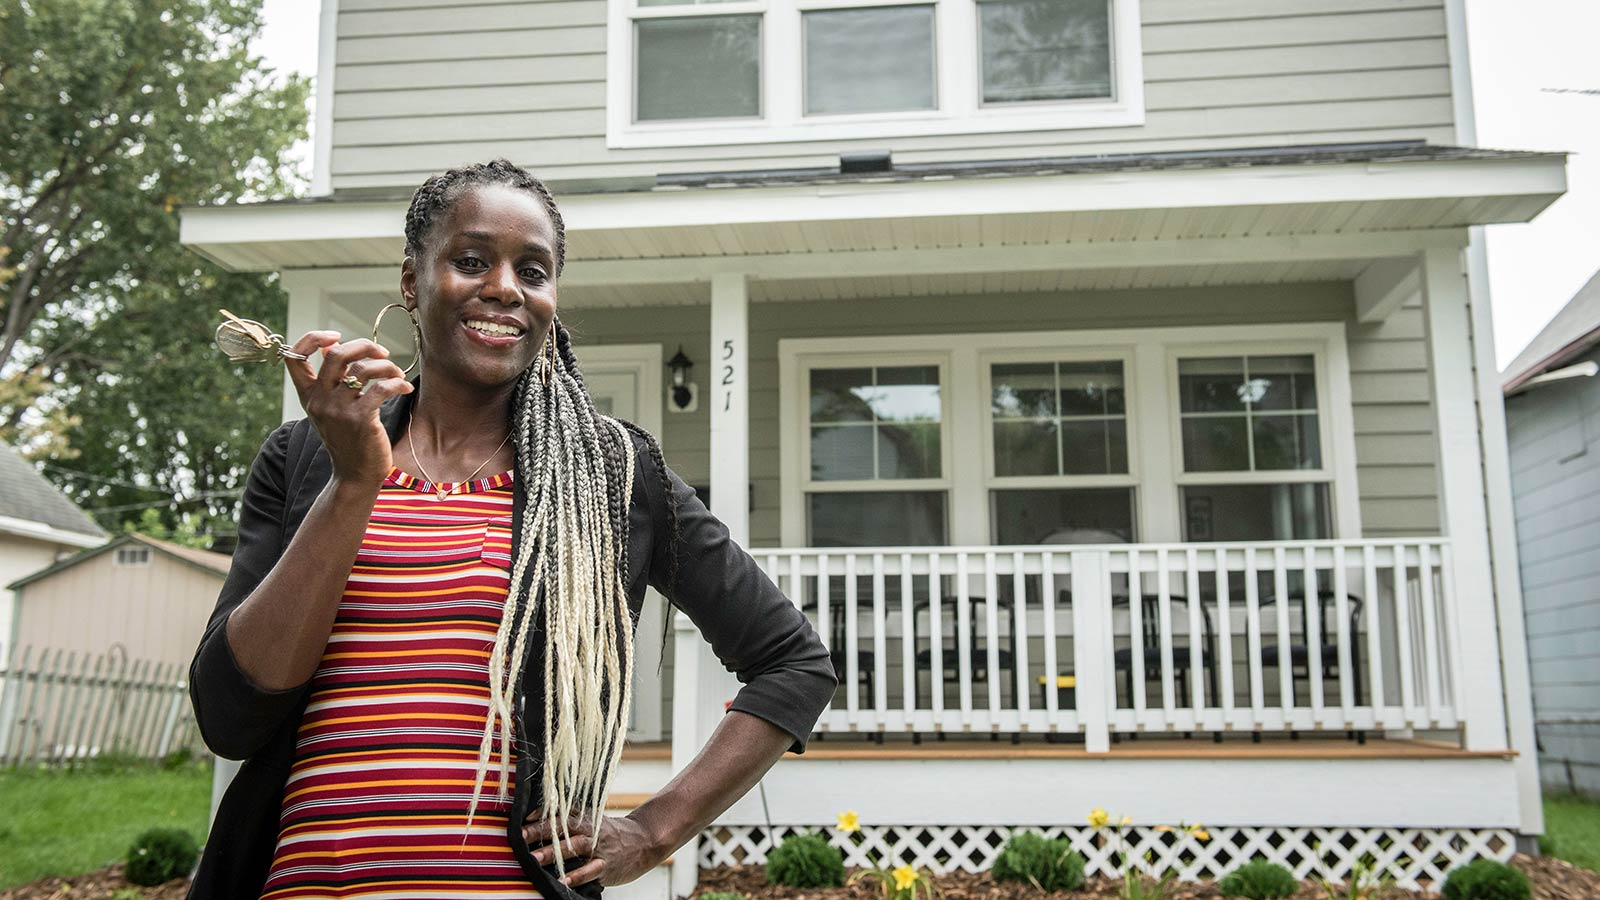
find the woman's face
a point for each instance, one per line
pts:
(484, 286)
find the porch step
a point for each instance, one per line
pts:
(644, 769)
(623, 802)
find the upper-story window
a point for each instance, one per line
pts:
(702, 72)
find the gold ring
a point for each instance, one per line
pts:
(353, 383)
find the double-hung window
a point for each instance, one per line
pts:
(1253, 461)
(712, 72)
(1059, 469)
(876, 454)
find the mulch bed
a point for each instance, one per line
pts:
(94, 886)
(1552, 880)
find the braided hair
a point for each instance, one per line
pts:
(569, 572)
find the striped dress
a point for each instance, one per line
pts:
(376, 803)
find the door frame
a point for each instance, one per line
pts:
(644, 362)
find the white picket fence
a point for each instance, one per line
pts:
(59, 706)
(1280, 636)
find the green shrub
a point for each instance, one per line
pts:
(1049, 865)
(127, 894)
(1259, 880)
(723, 895)
(160, 855)
(806, 861)
(1485, 879)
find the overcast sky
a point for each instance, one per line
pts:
(1536, 77)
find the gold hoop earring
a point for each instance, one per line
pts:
(416, 332)
(548, 360)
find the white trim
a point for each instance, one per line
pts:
(41, 532)
(322, 140)
(1384, 285)
(1149, 356)
(1503, 548)
(1458, 44)
(957, 84)
(218, 231)
(1447, 309)
(641, 360)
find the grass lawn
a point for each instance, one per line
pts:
(1572, 829)
(71, 822)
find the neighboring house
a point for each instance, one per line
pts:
(137, 596)
(1003, 312)
(1553, 419)
(38, 526)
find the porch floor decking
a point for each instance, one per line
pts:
(834, 748)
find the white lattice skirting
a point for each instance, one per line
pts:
(1414, 857)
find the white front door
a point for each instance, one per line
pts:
(625, 382)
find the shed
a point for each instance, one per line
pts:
(1553, 425)
(38, 527)
(149, 596)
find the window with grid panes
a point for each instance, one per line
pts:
(876, 456)
(1251, 430)
(1059, 438)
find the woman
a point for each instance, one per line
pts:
(424, 646)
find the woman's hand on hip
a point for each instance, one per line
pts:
(347, 418)
(625, 850)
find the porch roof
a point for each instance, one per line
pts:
(1222, 217)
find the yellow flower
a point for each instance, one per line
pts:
(1127, 820)
(1163, 828)
(905, 877)
(1098, 817)
(1202, 834)
(849, 822)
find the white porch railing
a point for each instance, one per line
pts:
(1299, 636)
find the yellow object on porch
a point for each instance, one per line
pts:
(1062, 681)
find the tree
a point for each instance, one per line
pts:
(113, 114)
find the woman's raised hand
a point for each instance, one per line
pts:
(347, 419)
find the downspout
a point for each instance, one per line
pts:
(1503, 557)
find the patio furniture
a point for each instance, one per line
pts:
(1150, 627)
(1327, 642)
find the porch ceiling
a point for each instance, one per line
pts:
(1054, 231)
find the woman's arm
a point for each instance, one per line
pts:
(739, 753)
(758, 635)
(271, 625)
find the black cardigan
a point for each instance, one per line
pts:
(754, 630)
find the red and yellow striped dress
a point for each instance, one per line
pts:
(376, 804)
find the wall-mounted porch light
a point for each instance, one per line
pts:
(682, 395)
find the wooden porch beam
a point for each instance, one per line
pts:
(1029, 258)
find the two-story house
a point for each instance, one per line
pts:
(1111, 381)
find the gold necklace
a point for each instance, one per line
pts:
(442, 490)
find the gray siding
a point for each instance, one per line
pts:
(1394, 436)
(1555, 479)
(424, 84)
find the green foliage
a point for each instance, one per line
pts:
(806, 861)
(160, 855)
(1486, 879)
(113, 114)
(1259, 879)
(723, 895)
(127, 893)
(1572, 829)
(1049, 865)
(65, 822)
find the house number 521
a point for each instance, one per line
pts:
(727, 375)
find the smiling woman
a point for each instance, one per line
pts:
(429, 676)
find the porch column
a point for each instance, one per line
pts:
(308, 311)
(1479, 696)
(703, 687)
